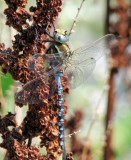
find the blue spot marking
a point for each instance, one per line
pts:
(60, 114)
(59, 123)
(59, 92)
(61, 143)
(61, 120)
(62, 110)
(61, 129)
(60, 103)
(61, 136)
(58, 79)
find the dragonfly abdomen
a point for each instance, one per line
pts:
(61, 113)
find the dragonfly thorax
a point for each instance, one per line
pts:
(61, 36)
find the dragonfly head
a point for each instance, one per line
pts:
(61, 36)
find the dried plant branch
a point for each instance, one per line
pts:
(75, 20)
(120, 60)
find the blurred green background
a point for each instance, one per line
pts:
(90, 26)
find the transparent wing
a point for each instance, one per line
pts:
(42, 64)
(96, 50)
(77, 74)
(82, 61)
(77, 67)
(36, 91)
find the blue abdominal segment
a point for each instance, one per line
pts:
(61, 111)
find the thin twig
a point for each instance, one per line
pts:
(76, 17)
(95, 115)
(110, 106)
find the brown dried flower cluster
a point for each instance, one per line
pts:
(119, 23)
(42, 118)
(17, 15)
(122, 28)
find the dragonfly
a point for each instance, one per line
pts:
(59, 60)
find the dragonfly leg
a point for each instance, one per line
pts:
(48, 33)
(29, 141)
(43, 40)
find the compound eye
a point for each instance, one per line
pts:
(59, 38)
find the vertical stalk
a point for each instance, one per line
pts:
(108, 151)
(107, 16)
